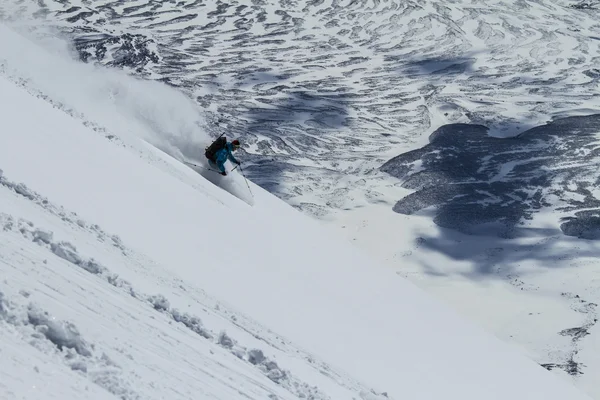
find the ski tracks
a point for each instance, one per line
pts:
(112, 316)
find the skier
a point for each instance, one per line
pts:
(217, 157)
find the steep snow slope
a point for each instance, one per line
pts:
(397, 74)
(96, 232)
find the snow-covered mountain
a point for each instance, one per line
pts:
(351, 110)
(325, 92)
(125, 272)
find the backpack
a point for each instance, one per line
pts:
(214, 147)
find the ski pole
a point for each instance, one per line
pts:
(247, 184)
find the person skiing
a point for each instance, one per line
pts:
(218, 158)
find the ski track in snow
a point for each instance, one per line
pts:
(30, 322)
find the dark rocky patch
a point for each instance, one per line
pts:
(479, 184)
(127, 50)
(81, 16)
(584, 225)
(571, 366)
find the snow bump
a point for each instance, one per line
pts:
(62, 334)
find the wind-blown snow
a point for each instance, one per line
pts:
(110, 98)
(126, 272)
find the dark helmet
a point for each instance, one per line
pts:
(236, 144)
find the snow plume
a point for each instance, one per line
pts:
(233, 183)
(118, 104)
(121, 104)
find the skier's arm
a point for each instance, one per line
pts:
(232, 158)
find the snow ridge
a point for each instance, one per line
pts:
(64, 334)
(63, 340)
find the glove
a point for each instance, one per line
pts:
(239, 163)
(224, 173)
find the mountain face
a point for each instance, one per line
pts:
(127, 275)
(325, 92)
(479, 184)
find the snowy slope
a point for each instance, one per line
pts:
(121, 267)
(325, 92)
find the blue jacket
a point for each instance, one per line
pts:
(222, 155)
